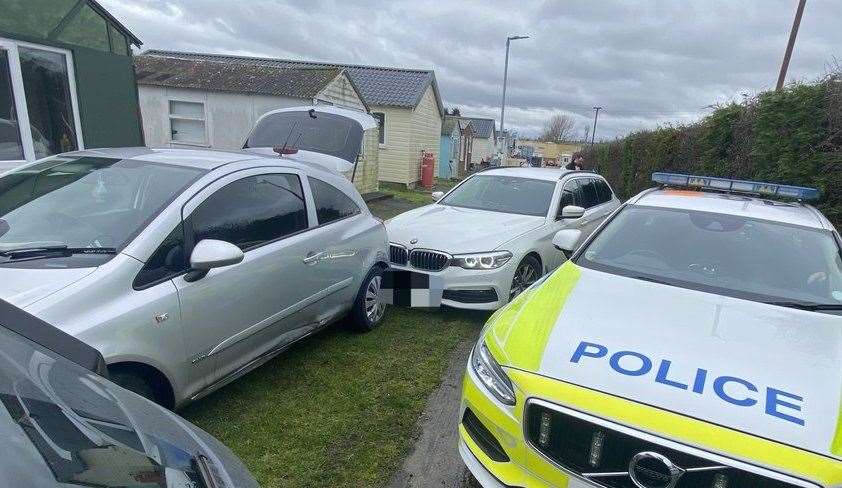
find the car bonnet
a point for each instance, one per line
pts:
(76, 427)
(458, 230)
(769, 371)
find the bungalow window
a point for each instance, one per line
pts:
(38, 110)
(381, 121)
(187, 123)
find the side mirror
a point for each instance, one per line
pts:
(566, 240)
(437, 195)
(209, 254)
(572, 212)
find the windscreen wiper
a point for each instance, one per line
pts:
(650, 279)
(58, 250)
(812, 307)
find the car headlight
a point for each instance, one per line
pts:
(492, 375)
(482, 260)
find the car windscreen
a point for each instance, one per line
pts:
(323, 133)
(509, 194)
(747, 258)
(83, 203)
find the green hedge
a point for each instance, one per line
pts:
(793, 136)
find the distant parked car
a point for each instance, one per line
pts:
(490, 237)
(188, 268)
(64, 424)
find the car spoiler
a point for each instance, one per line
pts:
(49, 337)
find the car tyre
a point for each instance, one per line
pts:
(134, 383)
(527, 272)
(368, 308)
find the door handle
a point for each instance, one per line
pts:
(313, 257)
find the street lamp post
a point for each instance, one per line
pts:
(505, 80)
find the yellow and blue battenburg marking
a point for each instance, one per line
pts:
(776, 402)
(519, 336)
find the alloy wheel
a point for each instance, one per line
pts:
(374, 308)
(525, 275)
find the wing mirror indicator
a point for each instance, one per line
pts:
(437, 195)
(566, 240)
(572, 212)
(209, 254)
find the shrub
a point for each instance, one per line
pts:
(793, 136)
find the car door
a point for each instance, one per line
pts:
(336, 257)
(594, 209)
(570, 194)
(237, 313)
(601, 206)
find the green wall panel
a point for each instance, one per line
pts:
(108, 105)
(33, 17)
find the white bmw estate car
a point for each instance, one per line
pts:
(188, 268)
(491, 236)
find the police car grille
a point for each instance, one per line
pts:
(397, 255)
(602, 455)
(428, 260)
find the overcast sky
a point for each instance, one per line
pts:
(647, 62)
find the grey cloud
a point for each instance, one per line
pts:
(648, 62)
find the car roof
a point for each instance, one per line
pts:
(206, 159)
(548, 174)
(795, 213)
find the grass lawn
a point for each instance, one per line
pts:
(340, 408)
(419, 196)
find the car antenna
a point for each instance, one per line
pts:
(281, 150)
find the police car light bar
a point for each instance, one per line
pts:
(739, 186)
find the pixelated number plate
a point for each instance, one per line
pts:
(411, 289)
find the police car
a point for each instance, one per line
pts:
(693, 341)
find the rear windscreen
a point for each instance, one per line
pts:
(330, 134)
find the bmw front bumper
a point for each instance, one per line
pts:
(472, 289)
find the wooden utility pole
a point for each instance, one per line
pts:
(595, 117)
(791, 45)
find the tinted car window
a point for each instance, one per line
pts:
(603, 191)
(569, 195)
(252, 211)
(320, 132)
(590, 196)
(166, 262)
(331, 203)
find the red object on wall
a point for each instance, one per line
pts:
(428, 164)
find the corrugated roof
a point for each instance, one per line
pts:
(482, 127)
(234, 77)
(378, 85)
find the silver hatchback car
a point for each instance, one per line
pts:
(188, 268)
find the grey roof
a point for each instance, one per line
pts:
(483, 127)
(235, 77)
(378, 85)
